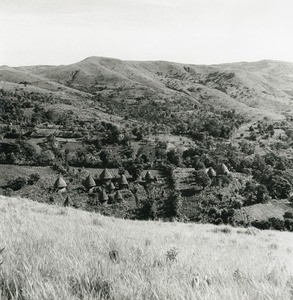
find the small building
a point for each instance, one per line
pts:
(103, 197)
(123, 183)
(211, 172)
(89, 183)
(223, 170)
(106, 176)
(148, 177)
(60, 185)
(118, 197)
(111, 187)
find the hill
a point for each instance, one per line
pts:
(216, 139)
(63, 253)
(262, 88)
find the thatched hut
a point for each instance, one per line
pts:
(223, 170)
(148, 177)
(111, 187)
(118, 197)
(123, 183)
(60, 185)
(103, 197)
(89, 182)
(105, 176)
(211, 172)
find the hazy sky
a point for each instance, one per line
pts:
(189, 31)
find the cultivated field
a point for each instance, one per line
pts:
(62, 253)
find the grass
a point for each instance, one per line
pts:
(62, 253)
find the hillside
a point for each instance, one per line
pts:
(208, 144)
(52, 252)
(262, 88)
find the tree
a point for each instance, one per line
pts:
(279, 187)
(270, 129)
(46, 158)
(202, 178)
(148, 210)
(261, 193)
(173, 205)
(34, 177)
(174, 157)
(133, 168)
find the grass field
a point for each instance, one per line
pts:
(62, 253)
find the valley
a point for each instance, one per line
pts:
(183, 124)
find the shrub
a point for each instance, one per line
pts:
(212, 211)
(18, 183)
(225, 230)
(34, 177)
(171, 254)
(218, 221)
(92, 285)
(148, 210)
(237, 204)
(173, 204)
(261, 224)
(279, 187)
(114, 256)
(288, 215)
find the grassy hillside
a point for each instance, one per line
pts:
(57, 253)
(254, 89)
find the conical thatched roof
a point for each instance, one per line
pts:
(105, 175)
(104, 196)
(223, 169)
(148, 176)
(60, 183)
(111, 186)
(123, 180)
(89, 182)
(211, 172)
(118, 196)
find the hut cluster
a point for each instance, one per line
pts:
(106, 186)
(221, 170)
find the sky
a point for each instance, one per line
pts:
(34, 32)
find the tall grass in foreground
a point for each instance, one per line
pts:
(57, 253)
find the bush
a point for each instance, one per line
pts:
(237, 204)
(261, 224)
(218, 221)
(34, 177)
(18, 183)
(279, 187)
(148, 210)
(171, 254)
(288, 215)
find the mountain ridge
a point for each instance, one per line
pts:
(262, 88)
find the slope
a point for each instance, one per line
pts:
(255, 89)
(62, 253)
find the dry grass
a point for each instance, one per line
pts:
(57, 253)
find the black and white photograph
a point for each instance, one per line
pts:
(146, 150)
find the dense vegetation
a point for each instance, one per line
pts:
(36, 134)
